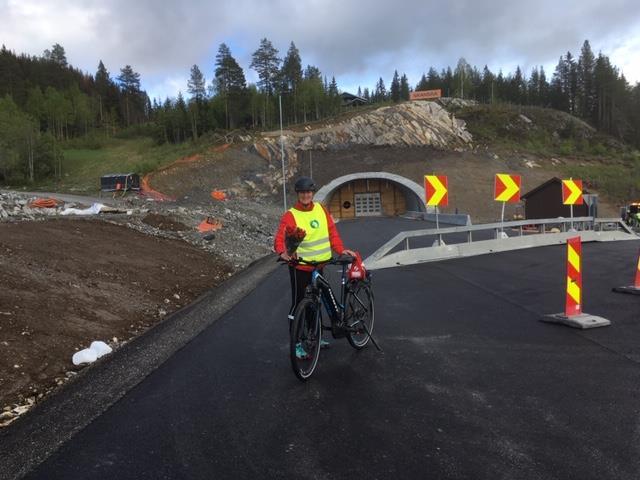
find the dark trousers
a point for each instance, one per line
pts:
(299, 281)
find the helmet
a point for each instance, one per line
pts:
(305, 184)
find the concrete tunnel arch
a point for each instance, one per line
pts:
(411, 195)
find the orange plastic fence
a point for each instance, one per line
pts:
(44, 203)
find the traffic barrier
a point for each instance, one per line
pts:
(632, 289)
(573, 315)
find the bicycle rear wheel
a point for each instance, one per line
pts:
(360, 314)
(306, 334)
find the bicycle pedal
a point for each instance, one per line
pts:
(338, 331)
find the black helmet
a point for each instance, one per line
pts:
(305, 184)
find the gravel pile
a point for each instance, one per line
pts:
(244, 234)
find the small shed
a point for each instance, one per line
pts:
(545, 201)
(116, 182)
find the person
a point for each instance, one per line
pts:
(321, 238)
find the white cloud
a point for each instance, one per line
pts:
(356, 42)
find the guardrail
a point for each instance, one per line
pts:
(524, 234)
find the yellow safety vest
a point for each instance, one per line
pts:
(316, 246)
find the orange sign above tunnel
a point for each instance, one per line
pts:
(425, 94)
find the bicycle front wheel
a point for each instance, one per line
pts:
(360, 314)
(306, 333)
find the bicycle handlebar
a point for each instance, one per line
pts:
(341, 260)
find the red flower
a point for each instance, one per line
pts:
(293, 237)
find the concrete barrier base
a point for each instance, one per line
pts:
(631, 289)
(584, 320)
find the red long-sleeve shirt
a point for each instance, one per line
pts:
(289, 220)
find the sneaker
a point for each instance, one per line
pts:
(324, 344)
(300, 352)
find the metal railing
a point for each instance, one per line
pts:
(520, 228)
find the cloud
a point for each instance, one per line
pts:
(355, 41)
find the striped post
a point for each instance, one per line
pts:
(574, 277)
(573, 316)
(632, 289)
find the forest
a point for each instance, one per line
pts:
(45, 102)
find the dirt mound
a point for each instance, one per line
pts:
(68, 282)
(164, 223)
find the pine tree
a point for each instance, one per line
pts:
(266, 63)
(487, 86)
(404, 87)
(130, 86)
(56, 55)
(518, 87)
(571, 82)
(380, 94)
(433, 79)
(559, 86)
(395, 88)
(533, 94)
(586, 93)
(196, 84)
(292, 76)
(230, 84)
(543, 88)
(422, 84)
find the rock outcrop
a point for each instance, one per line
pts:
(409, 124)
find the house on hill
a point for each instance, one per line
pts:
(545, 201)
(351, 100)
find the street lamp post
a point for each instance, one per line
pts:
(284, 178)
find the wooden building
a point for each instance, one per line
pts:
(545, 201)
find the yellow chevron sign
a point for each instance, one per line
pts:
(507, 188)
(572, 192)
(436, 190)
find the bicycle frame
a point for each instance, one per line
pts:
(320, 286)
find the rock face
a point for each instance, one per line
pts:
(409, 124)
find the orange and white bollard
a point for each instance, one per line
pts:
(632, 289)
(573, 315)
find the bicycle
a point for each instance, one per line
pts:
(352, 318)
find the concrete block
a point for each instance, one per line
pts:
(583, 321)
(630, 289)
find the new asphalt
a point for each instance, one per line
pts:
(470, 384)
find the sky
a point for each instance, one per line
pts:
(357, 42)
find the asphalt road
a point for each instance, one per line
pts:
(470, 385)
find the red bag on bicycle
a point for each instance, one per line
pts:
(356, 270)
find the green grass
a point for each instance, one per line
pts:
(82, 167)
(548, 132)
(620, 180)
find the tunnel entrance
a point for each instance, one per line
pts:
(371, 194)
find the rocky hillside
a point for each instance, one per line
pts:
(403, 125)
(466, 141)
(410, 124)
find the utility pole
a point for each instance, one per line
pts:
(284, 178)
(310, 165)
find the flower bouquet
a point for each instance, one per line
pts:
(293, 237)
